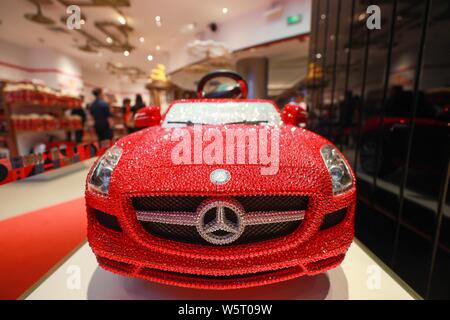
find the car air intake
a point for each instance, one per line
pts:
(107, 220)
(333, 218)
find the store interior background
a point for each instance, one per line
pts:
(382, 96)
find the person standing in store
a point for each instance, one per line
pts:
(79, 112)
(138, 104)
(100, 111)
(127, 115)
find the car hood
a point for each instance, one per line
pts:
(152, 162)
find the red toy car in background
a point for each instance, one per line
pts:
(175, 204)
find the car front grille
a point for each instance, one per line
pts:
(175, 216)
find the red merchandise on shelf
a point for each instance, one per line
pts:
(38, 94)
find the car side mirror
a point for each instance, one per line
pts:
(295, 114)
(147, 117)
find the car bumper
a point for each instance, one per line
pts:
(228, 267)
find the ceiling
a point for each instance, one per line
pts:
(288, 62)
(175, 15)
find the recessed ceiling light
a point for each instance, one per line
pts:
(126, 53)
(122, 20)
(82, 21)
(141, 39)
(150, 57)
(158, 48)
(224, 10)
(109, 40)
(158, 21)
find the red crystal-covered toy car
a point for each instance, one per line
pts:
(178, 203)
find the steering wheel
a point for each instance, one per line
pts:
(239, 91)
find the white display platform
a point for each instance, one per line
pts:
(358, 277)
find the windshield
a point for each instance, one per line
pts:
(216, 113)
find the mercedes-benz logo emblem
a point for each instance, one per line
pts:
(220, 221)
(220, 176)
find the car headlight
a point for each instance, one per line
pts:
(101, 175)
(341, 178)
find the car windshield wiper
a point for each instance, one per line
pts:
(248, 122)
(189, 123)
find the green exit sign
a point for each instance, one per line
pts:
(295, 19)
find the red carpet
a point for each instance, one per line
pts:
(32, 243)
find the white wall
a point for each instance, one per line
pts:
(12, 55)
(253, 28)
(55, 69)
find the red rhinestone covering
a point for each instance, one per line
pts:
(146, 169)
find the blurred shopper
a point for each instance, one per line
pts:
(82, 114)
(347, 116)
(127, 115)
(102, 116)
(138, 104)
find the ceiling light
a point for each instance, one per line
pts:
(188, 28)
(122, 20)
(158, 48)
(141, 39)
(126, 53)
(150, 57)
(109, 40)
(82, 21)
(224, 10)
(158, 21)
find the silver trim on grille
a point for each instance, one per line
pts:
(191, 218)
(181, 218)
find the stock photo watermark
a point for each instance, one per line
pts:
(373, 21)
(373, 277)
(74, 20)
(254, 146)
(73, 281)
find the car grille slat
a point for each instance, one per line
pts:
(167, 203)
(191, 203)
(268, 217)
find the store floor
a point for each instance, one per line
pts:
(43, 248)
(42, 221)
(43, 190)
